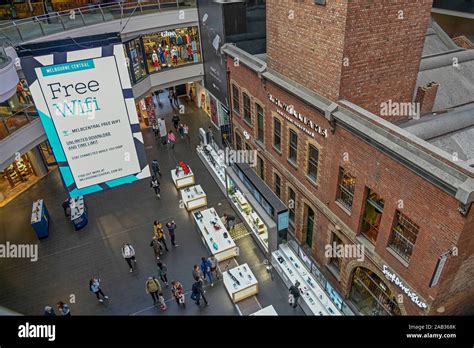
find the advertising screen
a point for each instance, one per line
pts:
(86, 105)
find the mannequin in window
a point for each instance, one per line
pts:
(168, 56)
(190, 53)
(156, 62)
(174, 55)
(161, 53)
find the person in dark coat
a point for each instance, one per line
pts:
(295, 292)
(197, 293)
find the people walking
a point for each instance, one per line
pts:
(171, 139)
(128, 253)
(161, 301)
(162, 130)
(154, 126)
(214, 265)
(229, 221)
(186, 130)
(64, 308)
(155, 167)
(49, 311)
(175, 121)
(175, 99)
(170, 96)
(94, 286)
(181, 130)
(67, 207)
(153, 287)
(158, 229)
(206, 270)
(171, 229)
(178, 292)
(157, 247)
(197, 293)
(162, 271)
(197, 276)
(294, 294)
(155, 185)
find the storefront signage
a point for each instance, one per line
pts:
(168, 33)
(86, 105)
(398, 282)
(301, 121)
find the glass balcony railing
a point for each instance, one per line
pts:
(9, 123)
(14, 32)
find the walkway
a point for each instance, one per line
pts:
(68, 258)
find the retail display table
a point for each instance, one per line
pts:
(240, 282)
(214, 163)
(313, 299)
(193, 197)
(218, 241)
(182, 180)
(79, 216)
(269, 310)
(40, 219)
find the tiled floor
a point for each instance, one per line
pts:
(68, 258)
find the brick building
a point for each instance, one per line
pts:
(355, 178)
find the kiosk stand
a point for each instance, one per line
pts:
(79, 216)
(40, 219)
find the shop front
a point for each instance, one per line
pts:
(22, 173)
(263, 213)
(171, 48)
(370, 295)
(136, 59)
(146, 111)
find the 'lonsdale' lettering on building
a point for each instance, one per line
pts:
(290, 109)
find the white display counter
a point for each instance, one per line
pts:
(213, 162)
(269, 310)
(193, 197)
(313, 299)
(182, 180)
(221, 247)
(243, 284)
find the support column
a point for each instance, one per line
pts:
(37, 162)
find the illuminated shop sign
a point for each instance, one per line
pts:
(299, 120)
(168, 33)
(398, 282)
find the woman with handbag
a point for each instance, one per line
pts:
(178, 292)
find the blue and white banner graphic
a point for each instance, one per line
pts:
(85, 102)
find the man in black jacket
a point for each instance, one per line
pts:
(198, 292)
(295, 292)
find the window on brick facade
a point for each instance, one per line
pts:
(277, 181)
(345, 189)
(313, 155)
(260, 116)
(238, 141)
(403, 236)
(291, 206)
(293, 147)
(260, 167)
(372, 216)
(309, 225)
(335, 261)
(235, 99)
(247, 112)
(277, 134)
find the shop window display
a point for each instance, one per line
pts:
(370, 295)
(171, 48)
(136, 61)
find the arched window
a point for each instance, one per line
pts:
(370, 295)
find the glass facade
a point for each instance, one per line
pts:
(136, 62)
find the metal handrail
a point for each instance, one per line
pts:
(61, 16)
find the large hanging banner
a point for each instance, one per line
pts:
(85, 102)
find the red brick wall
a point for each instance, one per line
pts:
(365, 51)
(435, 212)
(305, 42)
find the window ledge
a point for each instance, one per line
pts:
(293, 164)
(260, 143)
(366, 243)
(343, 207)
(333, 270)
(276, 149)
(312, 181)
(237, 113)
(398, 257)
(247, 122)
